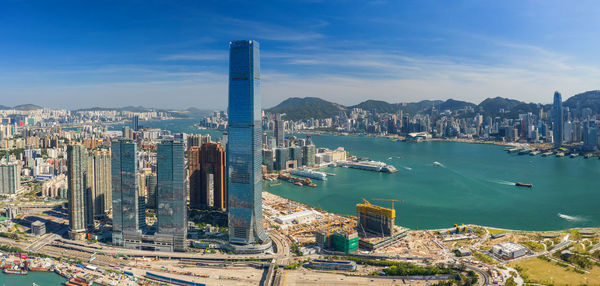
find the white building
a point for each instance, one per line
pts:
(297, 217)
(509, 250)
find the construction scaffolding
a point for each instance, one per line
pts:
(375, 219)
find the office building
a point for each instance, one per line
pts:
(208, 177)
(308, 155)
(102, 183)
(171, 211)
(151, 189)
(268, 159)
(124, 164)
(590, 136)
(296, 154)
(244, 160)
(135, 123)
(557, 120)
(278, 131)
(80, 192)
(10, 179)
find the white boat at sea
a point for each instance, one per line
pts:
(309, 174)
(368, 165)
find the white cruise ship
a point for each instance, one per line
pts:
(309, 174)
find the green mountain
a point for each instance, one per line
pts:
(589, 99)
(378, 105)
(296, 108)
(493, 105)
(452, 104)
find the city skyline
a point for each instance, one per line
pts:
(83, 55)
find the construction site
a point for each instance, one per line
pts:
(373, 227)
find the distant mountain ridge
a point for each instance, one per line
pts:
(296, 108)
(22, 107)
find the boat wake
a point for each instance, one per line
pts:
(570, 218)
(503, 182)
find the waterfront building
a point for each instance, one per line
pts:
(124, 164)
(268, 159)
(208, 182)
(244, 160)
(80, 191)
(308, 155)
(10, 178)
(590, 136)
(278, 131)
(102, 183)
(171, 211)
(296, 154)
(281, 158)
(557, 120)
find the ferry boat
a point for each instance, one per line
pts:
(513, 150)
(546, 154)
(533, 153)
(560, 154)
(309, 174)
(519, 184)
(525, 151)
(437, 164)
(368, 165)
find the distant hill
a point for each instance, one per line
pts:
(296, 108)
(378, 105)
(493, 105)
(27, 107)
(3, 107)
(452, 104)
(589, 99)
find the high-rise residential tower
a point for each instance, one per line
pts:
(102, 183)
(124, 164)
(208, 172)
(557, 120)
(10, 178)
(80, 191)
(171, 211)
(278, 131)
(244, 148)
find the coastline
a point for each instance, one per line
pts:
(344, 216)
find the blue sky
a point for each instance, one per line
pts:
(173, 54)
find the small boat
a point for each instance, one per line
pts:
(298, 184)
(533, 153)
(560, 154)
(587, 156)
(389, 158)
(436, 163)
(573, 155)
(525, 151)
(519, 184)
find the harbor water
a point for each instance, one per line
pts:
(474, 183)
(39, 278)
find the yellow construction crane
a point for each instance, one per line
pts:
(388, 200)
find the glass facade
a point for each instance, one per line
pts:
(557, 120)
(124, 189)
(171, 209)
(80, 180)
(244, 148)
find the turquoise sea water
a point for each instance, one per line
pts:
(475, 183)
(42, 279)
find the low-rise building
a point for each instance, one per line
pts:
(509, 250)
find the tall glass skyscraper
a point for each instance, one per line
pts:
(171, 209)
(244, 148)
(80, 191)
(557, 120)
(124, 165)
